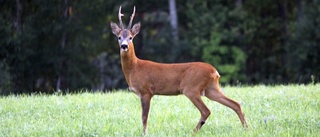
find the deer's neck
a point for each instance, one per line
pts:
(128, 62)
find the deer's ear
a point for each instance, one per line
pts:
(136, 28)
(115, 28)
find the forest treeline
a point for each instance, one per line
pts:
(50, 45)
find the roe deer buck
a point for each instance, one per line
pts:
(147, 78)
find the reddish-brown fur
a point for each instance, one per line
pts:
(147, 78)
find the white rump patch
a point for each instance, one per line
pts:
(218, 73)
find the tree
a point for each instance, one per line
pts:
(304, 47)
(50, 45)
(174, 21)
(212, 32)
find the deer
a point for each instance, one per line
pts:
(147, 78)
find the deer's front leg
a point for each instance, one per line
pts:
(145, 103)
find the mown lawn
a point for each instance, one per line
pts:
(291, 110)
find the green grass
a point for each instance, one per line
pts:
(292, 110)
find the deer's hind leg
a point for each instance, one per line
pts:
(213, 92)
(195, 98)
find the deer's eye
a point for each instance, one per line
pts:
(119, 38)
(130, 38)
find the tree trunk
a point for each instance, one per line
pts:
(300, 11)
(174, 21)
(17, 22)
(63, 44)
(282, 6)
(16, 80)
(239, 3)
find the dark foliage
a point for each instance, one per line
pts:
(67, 45)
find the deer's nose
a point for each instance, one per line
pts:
(124, 46)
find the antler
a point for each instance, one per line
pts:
(131, 18)
(119, 15)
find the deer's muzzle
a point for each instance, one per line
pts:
(124, 47)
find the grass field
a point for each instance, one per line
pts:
(292, 110)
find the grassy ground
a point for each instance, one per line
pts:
(292, 110)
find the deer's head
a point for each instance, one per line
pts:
(125, 36)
